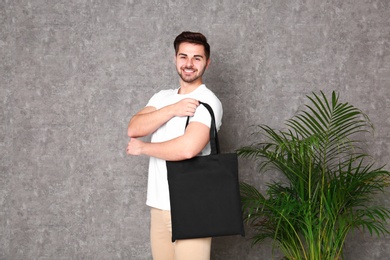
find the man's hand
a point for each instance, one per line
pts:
(134, 147)
(185, 107)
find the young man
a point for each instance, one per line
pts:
(164, 117)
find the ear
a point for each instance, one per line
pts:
(208, 63)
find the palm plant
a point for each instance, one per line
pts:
(329, 182)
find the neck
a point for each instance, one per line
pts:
(186, 88)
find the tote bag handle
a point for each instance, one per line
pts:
(214, 142)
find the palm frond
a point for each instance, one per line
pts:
(329, 186)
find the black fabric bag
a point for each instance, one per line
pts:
(204, 193)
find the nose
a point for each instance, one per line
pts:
(189, 63)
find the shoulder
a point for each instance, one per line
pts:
(208, 96)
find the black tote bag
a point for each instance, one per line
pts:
(204, 193)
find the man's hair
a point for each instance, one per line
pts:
(192, 37)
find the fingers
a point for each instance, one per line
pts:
(192, 107)
(194, 101)
(190, 110)
(127, 148)
(186, 107)
(132, 147)
(190, 102)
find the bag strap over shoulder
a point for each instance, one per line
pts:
(214, 142)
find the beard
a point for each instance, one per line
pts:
(192, 78)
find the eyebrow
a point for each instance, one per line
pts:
(197, 56)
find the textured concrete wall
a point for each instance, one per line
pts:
(73, 72)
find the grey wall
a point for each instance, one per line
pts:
(73, 72)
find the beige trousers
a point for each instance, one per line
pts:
(161, 241)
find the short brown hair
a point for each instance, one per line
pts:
(192, 37)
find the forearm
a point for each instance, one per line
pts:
(183, 147)
(173, 150)
(148, 121)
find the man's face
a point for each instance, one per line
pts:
(191, 62)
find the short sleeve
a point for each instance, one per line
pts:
(203, 116)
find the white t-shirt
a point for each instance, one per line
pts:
(158, 192)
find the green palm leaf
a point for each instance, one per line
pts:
(329, 186)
